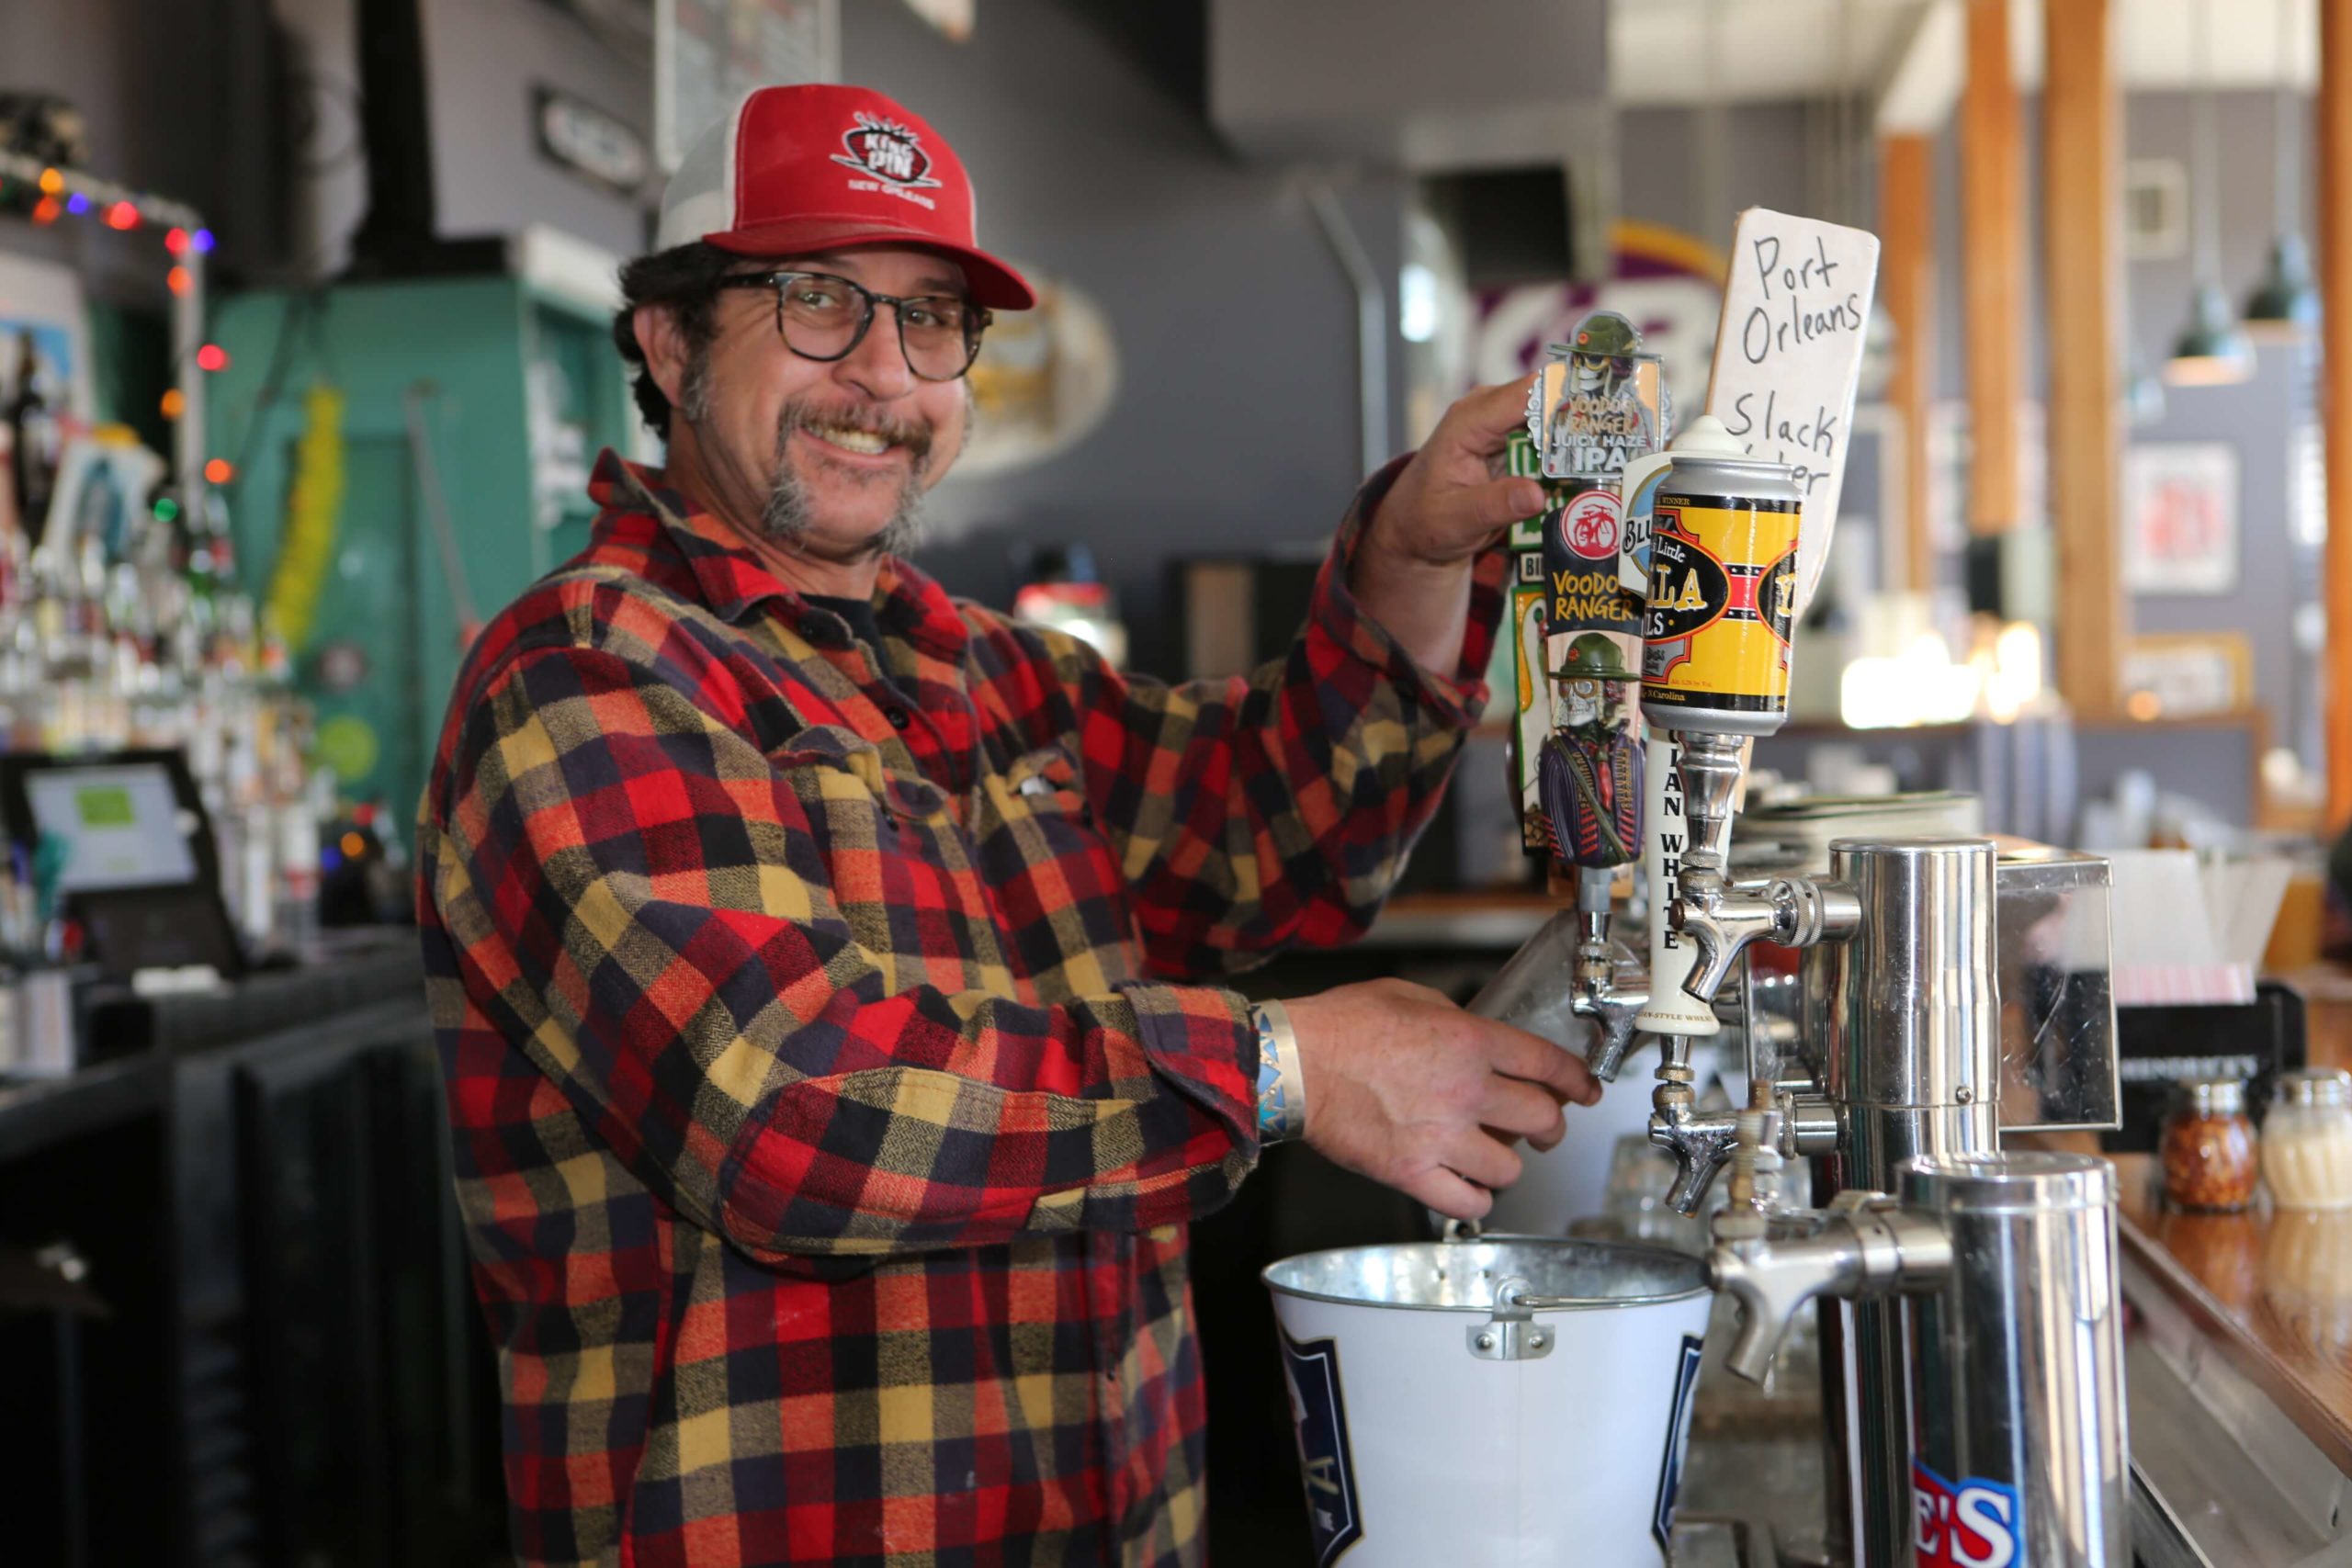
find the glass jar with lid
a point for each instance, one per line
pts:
(2208, 1148)
(2307, 1139)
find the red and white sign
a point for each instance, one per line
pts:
(1589, 522)
(1965, 1524)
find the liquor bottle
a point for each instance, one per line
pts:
(34, 440)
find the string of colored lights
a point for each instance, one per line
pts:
(60, 193)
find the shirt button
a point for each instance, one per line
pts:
(898, 719)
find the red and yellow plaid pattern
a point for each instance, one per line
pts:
(829, 1069)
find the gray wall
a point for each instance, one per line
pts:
(1659, 154)
(2258, 417)
(2155, 125)
(1234, 428)
(182, 96)
(159, 85)
(2160, 125)
(482, 60)
(2275, 575)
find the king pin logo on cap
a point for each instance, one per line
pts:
(768, 181)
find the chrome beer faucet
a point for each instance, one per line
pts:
(1699, 1141)
(1773, 1263)
(1901, 947)
(1612, 1011)
(1599, 997)
(2028, 1422)
(1718, 918)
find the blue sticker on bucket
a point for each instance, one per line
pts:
(1319, 1417)
(1678, 1444)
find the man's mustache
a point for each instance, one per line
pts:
(912, 435)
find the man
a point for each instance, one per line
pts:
(820, 963)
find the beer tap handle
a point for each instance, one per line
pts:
(1710, 765)
(1595, 958)
(1671, 1013)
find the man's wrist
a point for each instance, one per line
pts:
(1282, 1082)
(1380, 547)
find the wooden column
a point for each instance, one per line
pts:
(1906, 283)
(2335, 349)
(1992, 239)
(2082, 202)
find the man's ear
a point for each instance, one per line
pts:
(665, 347)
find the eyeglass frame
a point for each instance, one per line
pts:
(978, 317)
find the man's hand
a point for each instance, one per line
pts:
(1406, 1088)
(1448, 505)
(1411, 572)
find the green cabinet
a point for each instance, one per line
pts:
(473, 408)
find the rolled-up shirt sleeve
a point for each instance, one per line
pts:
(1257, 812)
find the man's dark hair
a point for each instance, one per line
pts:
(685, 280)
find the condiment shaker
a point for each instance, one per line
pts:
(2208, 1146)
(2307, 1139)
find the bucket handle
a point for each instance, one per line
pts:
(1512, 1333)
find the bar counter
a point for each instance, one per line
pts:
(2273, 1288)
(2238, 1361)
(270, 1325)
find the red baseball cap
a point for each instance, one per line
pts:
(820, 168)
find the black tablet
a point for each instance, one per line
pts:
(141, 870)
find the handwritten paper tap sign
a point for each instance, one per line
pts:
(1788, 355)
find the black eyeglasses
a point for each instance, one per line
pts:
(824, 318)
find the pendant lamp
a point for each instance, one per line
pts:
(2211, 351)
(2285, 303)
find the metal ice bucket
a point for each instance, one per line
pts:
(1504, 1402)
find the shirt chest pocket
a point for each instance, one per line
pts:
(884, 837)
(1050, 869)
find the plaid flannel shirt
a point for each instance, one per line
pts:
(829, 1080)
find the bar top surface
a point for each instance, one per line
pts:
(2272, 1286)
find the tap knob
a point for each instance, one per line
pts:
(1612, 1011)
